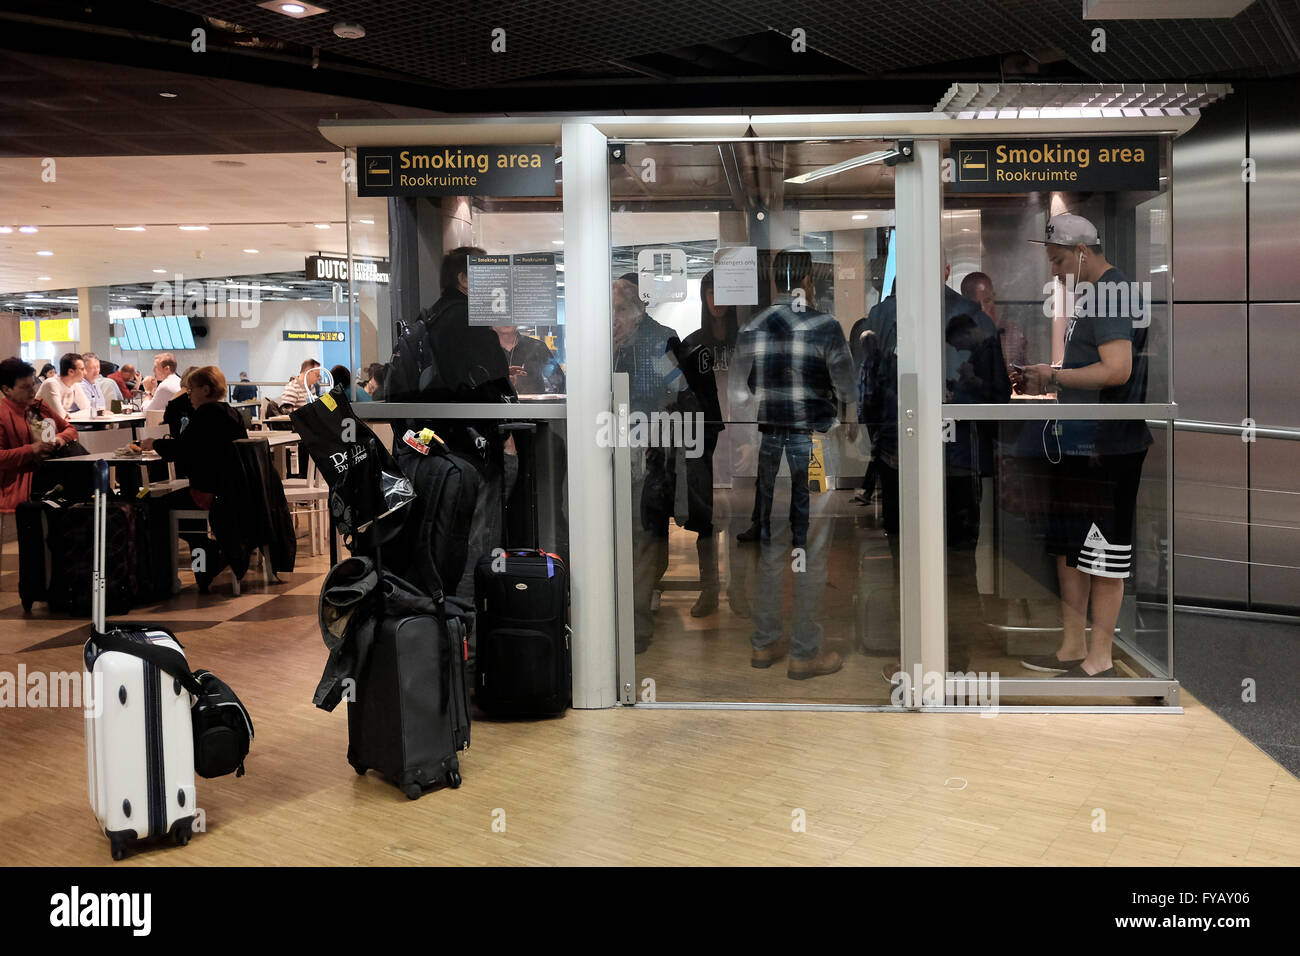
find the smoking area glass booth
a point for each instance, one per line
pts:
(636, 261)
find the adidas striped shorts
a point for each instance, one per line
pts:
(1094, 500)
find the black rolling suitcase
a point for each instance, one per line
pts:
(410, 716)
(524, 662)
(55, 551)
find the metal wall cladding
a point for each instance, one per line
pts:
(1275, 524)
(1274, 196)
(1274, 358)
(1210, 362)
(1211, 531)
(1210, 206)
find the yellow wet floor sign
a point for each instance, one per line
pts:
(817, 468)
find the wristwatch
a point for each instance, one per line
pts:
(1053, 383)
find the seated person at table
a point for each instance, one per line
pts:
(128, 381)
(46, 371)
(167, 382)
(23, 432)
(101, 391)
(201, 449)
(181, 408)
(62, 393)
(295, 393)
(343, 378)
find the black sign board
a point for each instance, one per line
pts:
(1100, 164)
(456, 170)
(325, 268)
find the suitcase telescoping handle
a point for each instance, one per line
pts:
(98, 586)
(527, 453)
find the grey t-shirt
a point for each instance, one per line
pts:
(1105, 320)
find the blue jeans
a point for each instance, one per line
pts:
(798, 452)
(776, 558)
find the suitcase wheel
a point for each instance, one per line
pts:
(413, 791)
(183, 834)
(117, 848)
(454, 779)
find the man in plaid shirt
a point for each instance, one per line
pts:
(794, 362)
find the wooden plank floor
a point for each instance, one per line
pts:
(649, 786)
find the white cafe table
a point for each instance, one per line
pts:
(87, 423)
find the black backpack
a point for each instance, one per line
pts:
(433, 545)
(413, 369)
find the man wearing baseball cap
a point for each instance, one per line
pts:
(1094, 466)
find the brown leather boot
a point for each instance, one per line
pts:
(767, 656)
(826, 662)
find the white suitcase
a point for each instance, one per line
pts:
(139, 735)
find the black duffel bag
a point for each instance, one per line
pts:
(223, 730)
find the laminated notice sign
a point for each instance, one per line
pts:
(513, 290)
(735, 276)
(489, 290)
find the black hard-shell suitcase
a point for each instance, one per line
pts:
(524, 664)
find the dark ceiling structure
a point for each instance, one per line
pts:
(579, 56)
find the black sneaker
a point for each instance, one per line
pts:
(753, 533)
(1078, 671)
(1048, 663)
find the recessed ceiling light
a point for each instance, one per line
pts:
(294, 9)
(557, 242)
(251, 252)
(965, 228)
(366, 222)
(349, 31)
(322, 225)
(160, 270)
(169, 95)
(27, 229)
(44, 252)
(194, 228)
(42, 278)
(129, 228)
(861, 216)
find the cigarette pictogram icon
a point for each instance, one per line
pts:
(973, 165)
(379, 171)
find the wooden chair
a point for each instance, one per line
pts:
(314, 493)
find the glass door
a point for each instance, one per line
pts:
(757, 515)
(1056, 359)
